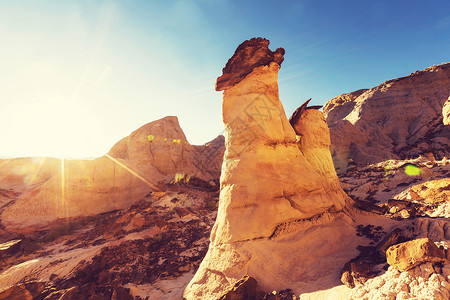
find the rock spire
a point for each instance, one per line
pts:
(282, 213)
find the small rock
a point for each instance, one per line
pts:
(405, 214)
(407, 255)
(120, 293)
(245, 289)
(137, 222)
(394, 237)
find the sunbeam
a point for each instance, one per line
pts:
(134, 173)
(63, 189)
(36, 172)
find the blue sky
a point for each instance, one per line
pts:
(77, 76)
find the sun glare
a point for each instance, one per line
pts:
(58, 132)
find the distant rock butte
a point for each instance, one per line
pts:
(46, 189)
(249, 55)
(399, 119)
(162, 145)
(282, 213)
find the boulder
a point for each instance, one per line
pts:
(410, 254)
(245, 289)
(282, 215)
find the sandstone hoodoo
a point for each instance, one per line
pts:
(280, 200)
(399, 119)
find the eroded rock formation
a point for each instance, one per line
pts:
(280, 199)
(399, 119)
(41, 190)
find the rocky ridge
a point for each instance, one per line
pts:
(399, 119)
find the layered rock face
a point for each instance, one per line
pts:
(280, 199)
(399, 119)
(42, 190)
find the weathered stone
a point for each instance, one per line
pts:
(10, 247)
(23, 291)
(281, 295)
(120, 293)
(367, 206)
(245, 289)
(16, 293)
(136, 222)
(248, 56)
(394, 237)
(362, 268)
(407, 255)
(72, 293)
(432, 192)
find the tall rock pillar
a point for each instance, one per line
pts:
(281, 210)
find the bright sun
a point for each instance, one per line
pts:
(60, 132)
(52, 116)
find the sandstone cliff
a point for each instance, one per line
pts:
(280, 199)
(399, 119)
(45, 189)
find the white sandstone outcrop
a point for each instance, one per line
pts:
(281, 216)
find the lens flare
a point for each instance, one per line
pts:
(412, 170)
